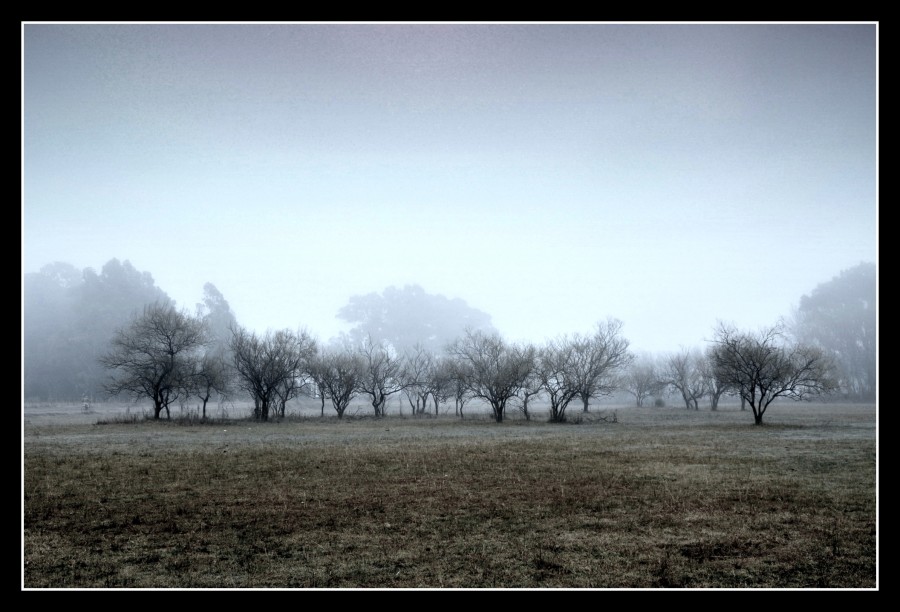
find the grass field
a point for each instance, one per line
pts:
(657, 498)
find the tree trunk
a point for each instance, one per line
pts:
(586, 400)
(157, 405)
(556, 413)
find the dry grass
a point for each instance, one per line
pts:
(657, 499)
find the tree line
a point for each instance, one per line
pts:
(69, 318)
(828, 346)
(165, 355)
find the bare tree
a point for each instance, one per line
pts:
(154, 357)
(268, 366)
(533, 385)
(339, 372)
(763, 366)
(599, 359)
(317, 375)
(441, 381)
(496, 370)
(381, 373)
(294, 352)
(642, 379)
(554, 367)
(715, 386)
(417, 372)
(685, 372)
(458, 384)
(211, 376)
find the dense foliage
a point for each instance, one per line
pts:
(840, 317)
(410, 316)
(70, 317)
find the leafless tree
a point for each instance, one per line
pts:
(211, 375)
(763, 366)
(317, 376)
(293, 352)
(599, 360)
(155, 355)
(554, 367)
(642, 379)
(296, 352)
(339, 372)
(381, 373)
(533, 386)
(268, 367)
(417, 373)
(497, 370)
(441, 381)
(685, 372)
(458, 384)
(715, 386)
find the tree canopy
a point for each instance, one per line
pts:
(764, 366)
(409, 316)
(155, 356)
(496, 369)
(216, 313)
(70, 317)
(840, 317)
(271, 367)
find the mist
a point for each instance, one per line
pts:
(547, 175)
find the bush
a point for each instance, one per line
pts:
(659, 403)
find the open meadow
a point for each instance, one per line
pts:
(618, 498)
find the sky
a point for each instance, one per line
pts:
(552, 175)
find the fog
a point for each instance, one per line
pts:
(548, 175)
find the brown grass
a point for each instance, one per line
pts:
(660, 498)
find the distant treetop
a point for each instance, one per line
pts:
(410, 316)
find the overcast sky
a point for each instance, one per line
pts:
(551, 175)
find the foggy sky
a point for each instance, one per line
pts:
(551, 175)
